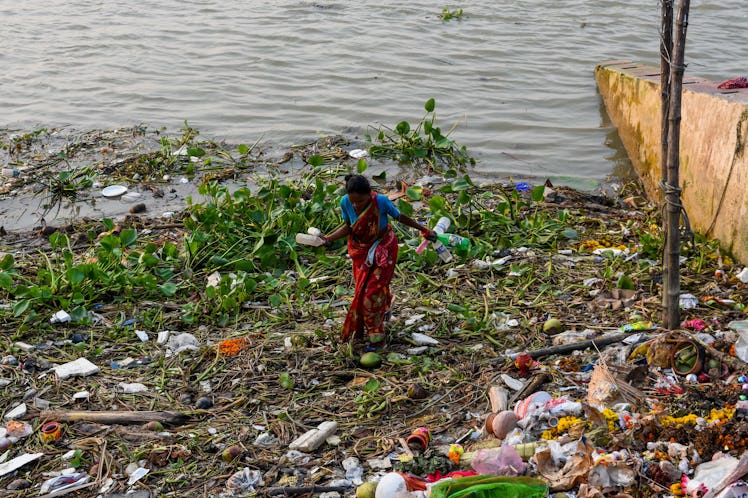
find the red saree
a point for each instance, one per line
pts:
(371, 274)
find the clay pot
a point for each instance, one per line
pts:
(687, 357)
(419, 440)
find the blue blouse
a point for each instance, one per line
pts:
(386, 208)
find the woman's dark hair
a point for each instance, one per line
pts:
(357, 184)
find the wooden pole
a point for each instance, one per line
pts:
(666, 52)
(671, 270)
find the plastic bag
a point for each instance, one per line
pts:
(485, 486)
(502, 461)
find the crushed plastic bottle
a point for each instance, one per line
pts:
(244, 481)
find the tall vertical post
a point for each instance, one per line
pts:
(673, 206)
(666, 53)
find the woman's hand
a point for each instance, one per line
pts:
(328, 241)
(429, 235)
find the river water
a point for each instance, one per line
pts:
(516, 75)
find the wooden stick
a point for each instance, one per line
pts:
(568, 348)
(530, 387)
(121, 418)
(302, 490)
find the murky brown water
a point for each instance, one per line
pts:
(516, 75)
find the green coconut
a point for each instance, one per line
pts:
(370, 360)
(553, 326)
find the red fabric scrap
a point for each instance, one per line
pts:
(739, 82)
(438, 476)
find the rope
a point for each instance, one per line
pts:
(672, 197)
(739, 149)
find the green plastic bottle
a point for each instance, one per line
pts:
(453, 240)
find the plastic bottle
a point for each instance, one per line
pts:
(10, 172)
(453, 240)
(309, 240)
(442, 225)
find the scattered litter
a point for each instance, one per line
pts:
(743, 275)
(17, 412)
(313, 439)
(132, 388)
(18, 462)
(78, 368)
(60, 317)
(688, 301)
(244, 481)
(114, 191)
(137, 475)
(183, 342)
(358, 153)
(423, 339)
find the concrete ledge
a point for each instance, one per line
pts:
(714, 131)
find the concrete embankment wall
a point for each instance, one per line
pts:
(714, 130)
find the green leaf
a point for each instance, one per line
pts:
(402, 128)
(625, 282)
(381, 176)
(128, 237)
(460, 184)
(361, 165)
(315, 160)
(168, 289)
(275, 300)
(371, 385)
(430, 105)
(78, 314)
(149, 260)
(570, 233)
(7, 262)
(285, 381)
(243, 149)
(405, 207)
(414, 193)
(21, 306)
(108, 224)
(537, 193)
(195, 152)
(76, 276)
(6, 281)
(437, 204)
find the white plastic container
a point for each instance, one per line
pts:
(309, 240)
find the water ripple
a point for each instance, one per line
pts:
(516, 74)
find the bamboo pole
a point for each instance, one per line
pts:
(666, 52)
(671, 289)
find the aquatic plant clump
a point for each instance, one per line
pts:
(424, 145)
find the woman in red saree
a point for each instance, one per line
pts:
(372, 246)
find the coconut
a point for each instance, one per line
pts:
(370, 360)
(553, 326)
(503, 423)
(366, 490)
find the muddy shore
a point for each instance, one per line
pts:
(232, 390)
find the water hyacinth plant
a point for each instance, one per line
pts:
(422, 145)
